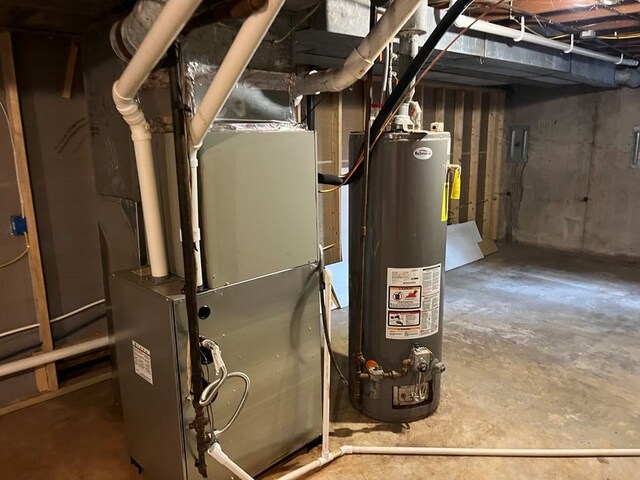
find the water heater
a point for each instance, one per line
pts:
(395, 311)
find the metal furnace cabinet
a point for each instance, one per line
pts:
(260, 244)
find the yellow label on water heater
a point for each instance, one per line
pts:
(455, 190)
(445, 202)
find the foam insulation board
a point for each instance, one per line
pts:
(462, 245)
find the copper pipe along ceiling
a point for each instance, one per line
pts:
(238, 9)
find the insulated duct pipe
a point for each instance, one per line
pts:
(235, 62)
(54, 356)
(629, 77)
(362, 58)
(520, 35)
(161, 35)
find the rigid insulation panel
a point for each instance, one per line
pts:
(258, 203)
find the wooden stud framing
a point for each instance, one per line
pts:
(474, 157)
(489, 193)
(46, 377)
(439, 109)
(496, 196)
(329, 138)
(456, 147)
(71, 69)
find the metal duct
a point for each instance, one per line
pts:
(127, 34)
(628, 77)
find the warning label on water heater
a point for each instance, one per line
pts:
(413, 302)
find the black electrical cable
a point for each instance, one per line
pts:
(188, 249)
(406, 80)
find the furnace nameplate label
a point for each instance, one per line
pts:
(413, 302)
(142, 362)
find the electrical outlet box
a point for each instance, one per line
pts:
(518, 144)
(18, 225)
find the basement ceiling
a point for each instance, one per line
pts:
(62, 16)
(616, 23)
(613, 25)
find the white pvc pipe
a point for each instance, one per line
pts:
(195, 216)
(448, 452)
(53, 320)
(161, 35)
(170, 22)
(54, 356)
(492, 29)
(150, 199)
(310, 467)
(234, 64)
(326, 366)
(495, 452)
(238, 57)
(216, 452)
(362, 58)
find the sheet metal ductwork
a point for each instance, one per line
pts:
(127, 34)
(628, 77)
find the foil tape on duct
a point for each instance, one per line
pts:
(260, 96)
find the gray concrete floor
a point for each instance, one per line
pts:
(542, 350)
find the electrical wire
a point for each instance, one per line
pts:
(304, 19)
(52, 320)
(20, 255)
(322, 98)
(15, 157)
(20, 196)
(403, 87)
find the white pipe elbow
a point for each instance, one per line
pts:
(362, 58)
(215, 450)
(129, 109)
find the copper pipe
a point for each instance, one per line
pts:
(236, 9)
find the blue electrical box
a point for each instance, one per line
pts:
(18, 225)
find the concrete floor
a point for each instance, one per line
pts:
(542, 350)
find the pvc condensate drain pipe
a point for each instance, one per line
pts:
(171, 20)
(54, 356)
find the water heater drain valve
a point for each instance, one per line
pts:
(375, 375)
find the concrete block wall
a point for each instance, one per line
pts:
(577, 192)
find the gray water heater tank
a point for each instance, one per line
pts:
(395, 376)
